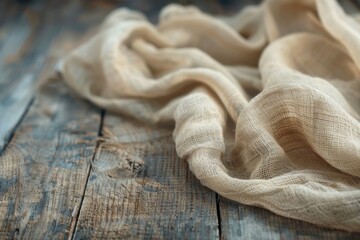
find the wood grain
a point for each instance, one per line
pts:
(28, 36)
(44, 169)
(247, 222)
(139, 189)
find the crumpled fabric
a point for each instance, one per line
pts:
(265, 103)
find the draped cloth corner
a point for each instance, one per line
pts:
(285, 75)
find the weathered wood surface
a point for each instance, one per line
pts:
(58, 179)
(12, 34)
(247, 222)
(139, 188)
(44, 169)
(26, 34)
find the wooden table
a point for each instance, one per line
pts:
(71, 170)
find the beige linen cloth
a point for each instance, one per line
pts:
(276, 86)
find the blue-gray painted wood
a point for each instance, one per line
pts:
(239, 221)
(44, 169)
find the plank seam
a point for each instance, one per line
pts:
(11, 133)
(77, 209)
(218, 214)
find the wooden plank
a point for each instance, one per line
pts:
(27, 37)
(44, 169)
(14, 32)
(139, 189)
(247, 222)
(9, 15)
(25, 53)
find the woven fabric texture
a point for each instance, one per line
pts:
(265, 104)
